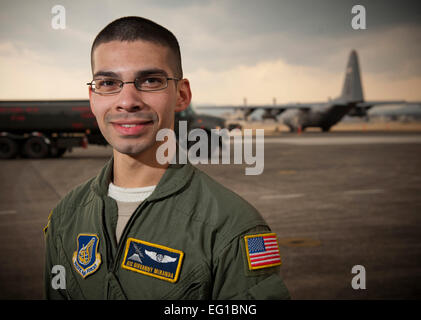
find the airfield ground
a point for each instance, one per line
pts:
(336, 200)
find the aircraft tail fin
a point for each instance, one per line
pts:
(352, 90)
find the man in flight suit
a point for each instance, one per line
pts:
(140, 229)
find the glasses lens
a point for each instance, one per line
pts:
(106, 85)
(151, 82)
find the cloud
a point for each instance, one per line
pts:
(284, 49)
(30, 75)
(262, 82)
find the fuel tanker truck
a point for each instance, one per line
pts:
(41, 129)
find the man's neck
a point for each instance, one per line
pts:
(135, 172)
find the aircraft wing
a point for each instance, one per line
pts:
(303, 106)
(277, 108)
(369, 104)
(270, 110)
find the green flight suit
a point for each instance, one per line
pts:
(189, 219)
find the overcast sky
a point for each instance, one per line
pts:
(288, 50)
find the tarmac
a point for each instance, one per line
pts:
(336, 200)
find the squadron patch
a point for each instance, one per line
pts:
(152, 259)
(86, 259)
(262, 251)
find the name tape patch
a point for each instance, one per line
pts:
(152, 259)
(86, 259)
(262, 251)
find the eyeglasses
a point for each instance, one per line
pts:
(146, 83)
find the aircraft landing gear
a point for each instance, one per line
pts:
(325, 128)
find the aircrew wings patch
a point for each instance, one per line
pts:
(262, 251)
(152, 259)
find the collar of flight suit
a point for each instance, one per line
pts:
(176, 176)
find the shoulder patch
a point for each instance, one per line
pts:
(262, 250)
(48, 223)
(152, 259)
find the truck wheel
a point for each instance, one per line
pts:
(57, 152)
(8, 148)
(35, 148)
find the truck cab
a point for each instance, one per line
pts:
(197, 121)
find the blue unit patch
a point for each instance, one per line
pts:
(152, 259)
(86, 259)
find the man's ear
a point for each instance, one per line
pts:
(183, 95)
(90, 98)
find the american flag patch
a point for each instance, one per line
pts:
(262, 250)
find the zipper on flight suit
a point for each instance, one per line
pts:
(108, 244)
(113, 260)
(122, 242)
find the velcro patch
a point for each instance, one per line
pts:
(86, 259)
(152, 259)
(262, 251)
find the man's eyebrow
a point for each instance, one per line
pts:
(140, 73)
(105, 74)
(147, 72)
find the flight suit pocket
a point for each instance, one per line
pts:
(73, 291)
(195, 285)
(271, 288)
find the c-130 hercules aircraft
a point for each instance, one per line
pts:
(322, 114)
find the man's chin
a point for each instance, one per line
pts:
(132, 149)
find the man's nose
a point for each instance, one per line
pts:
(129, 99)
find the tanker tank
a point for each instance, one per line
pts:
(39, 129)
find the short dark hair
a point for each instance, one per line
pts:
(137, 28)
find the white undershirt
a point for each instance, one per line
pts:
(128, 199)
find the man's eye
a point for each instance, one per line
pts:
(152, 82)
(106, 83)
